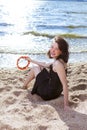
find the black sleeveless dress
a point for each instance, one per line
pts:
(47, 85)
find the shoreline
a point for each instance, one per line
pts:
(19, 110)
(9, 60)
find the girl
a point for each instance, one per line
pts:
(49, 84)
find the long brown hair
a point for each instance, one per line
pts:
(64, 48)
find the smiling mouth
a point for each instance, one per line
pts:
(52, 54)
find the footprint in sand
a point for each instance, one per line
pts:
(5, 88)
(79, 93)
(5, 127)
(17, 93)
(42, 127)
(10, 100)
(79, 87)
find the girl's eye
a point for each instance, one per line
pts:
(51, 47)
(54, 48)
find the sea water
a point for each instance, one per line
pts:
(27, 27)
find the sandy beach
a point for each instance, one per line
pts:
(19, 110)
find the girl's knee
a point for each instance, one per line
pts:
(36, 70)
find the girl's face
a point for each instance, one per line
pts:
(54, 50)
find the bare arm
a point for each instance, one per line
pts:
(62, 75)
(43, 64)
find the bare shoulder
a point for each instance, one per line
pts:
(57, 65)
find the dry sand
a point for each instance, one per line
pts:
(19, 110)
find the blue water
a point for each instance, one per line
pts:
(28, 26)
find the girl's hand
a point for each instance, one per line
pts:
(28, 58)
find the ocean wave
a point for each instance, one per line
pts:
(74, 12)
(66, 35)
(61, 27)
(78, 26)
(22, 53)
(2, 33)
(37, 53)
(5, 24)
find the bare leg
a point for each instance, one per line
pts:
(31, 75)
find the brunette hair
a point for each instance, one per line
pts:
(64, 48)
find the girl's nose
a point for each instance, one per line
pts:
(53, 50)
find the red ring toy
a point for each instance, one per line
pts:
(25, 67)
